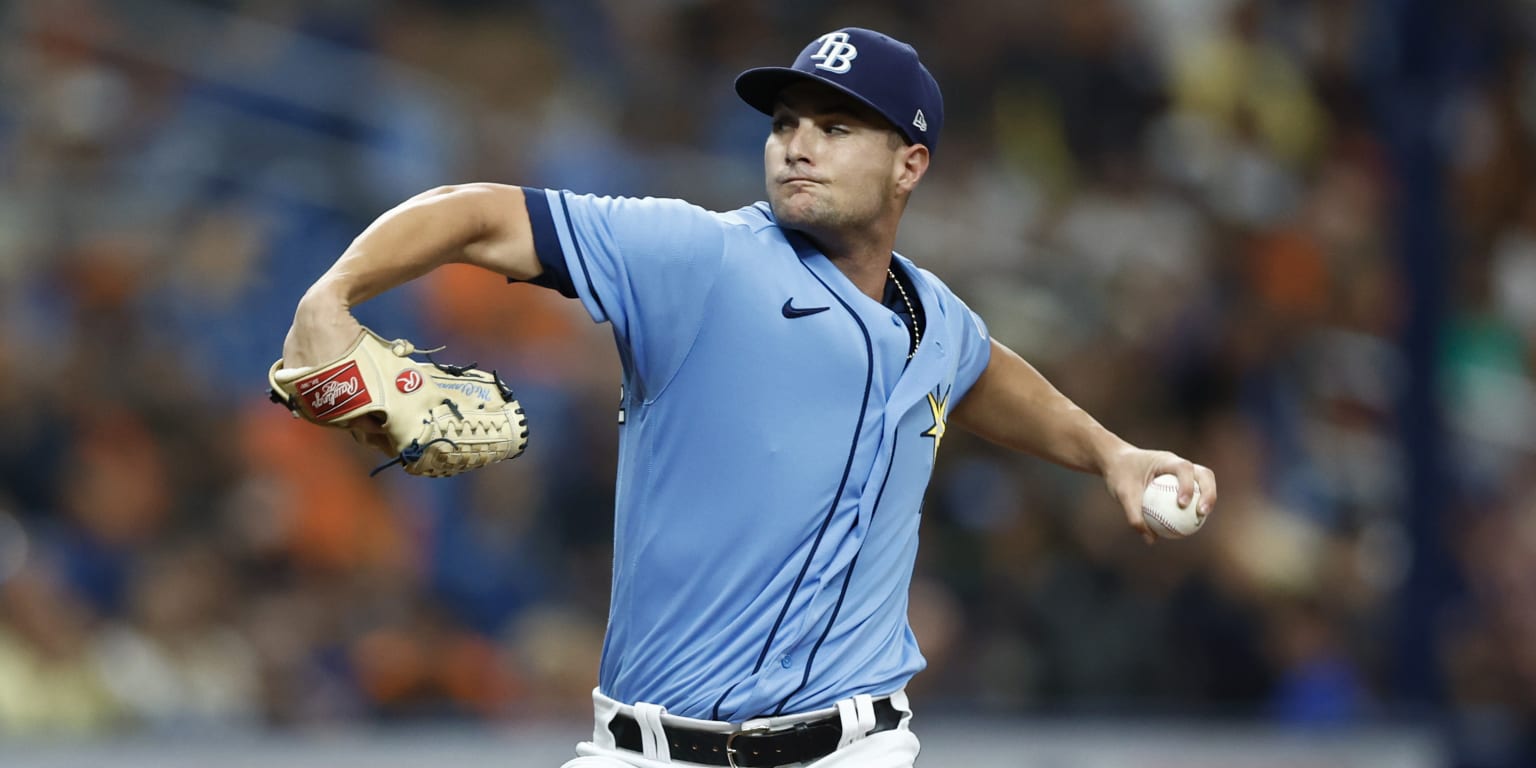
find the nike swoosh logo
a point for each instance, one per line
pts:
(791, 311)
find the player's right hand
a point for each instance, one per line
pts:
(1129, 471)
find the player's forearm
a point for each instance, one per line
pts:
(1013, 405)
(482, 224)
(443, 225)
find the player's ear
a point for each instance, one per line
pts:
(911, 164)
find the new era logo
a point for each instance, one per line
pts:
(920, 121)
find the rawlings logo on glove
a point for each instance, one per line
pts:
(333, 393)
(435, 419)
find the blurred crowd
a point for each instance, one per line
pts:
(1184, 212)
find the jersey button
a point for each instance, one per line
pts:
(786, 662)
(896, 320)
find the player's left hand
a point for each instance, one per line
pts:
(1128, 473)
(433, 418)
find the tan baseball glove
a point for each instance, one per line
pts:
(434, 419)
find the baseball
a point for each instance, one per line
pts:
(1160, 509)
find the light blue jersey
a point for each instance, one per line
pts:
(775, 446)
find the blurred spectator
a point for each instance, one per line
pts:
(175, 662)
(49, 684)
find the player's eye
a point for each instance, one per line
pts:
(782, 123)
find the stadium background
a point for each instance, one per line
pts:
(1294, 239)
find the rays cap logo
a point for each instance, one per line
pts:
(876, 69)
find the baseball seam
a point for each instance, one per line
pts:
(1148, 513)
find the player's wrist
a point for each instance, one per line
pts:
(1107, 451)
(324, 307)
(323, 328)
(326, 296)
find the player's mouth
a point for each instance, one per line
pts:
(787, 180)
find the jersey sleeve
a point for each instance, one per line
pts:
(975, 344)
(644, 265)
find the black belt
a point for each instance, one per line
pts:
(797, 743)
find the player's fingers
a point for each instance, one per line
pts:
(1207, 480)
(1185, 471)
(1137, 521)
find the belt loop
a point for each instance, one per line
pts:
(850, 721)
(653, 738)
(864, 706)
(605, 710)
(899, 701)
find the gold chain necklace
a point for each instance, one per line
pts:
(917, 328)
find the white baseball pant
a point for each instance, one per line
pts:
(896, 748)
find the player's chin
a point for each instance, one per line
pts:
(798, 211)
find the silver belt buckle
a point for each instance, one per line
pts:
(730, 749)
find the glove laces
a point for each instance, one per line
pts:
(411, 454)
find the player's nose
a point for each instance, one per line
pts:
(797, 143)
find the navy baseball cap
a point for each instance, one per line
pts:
(877, 70)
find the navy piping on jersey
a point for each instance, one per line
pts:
(869, 377)
(580, 257)
(847, 579)
(546, 246)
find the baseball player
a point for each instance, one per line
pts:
(788, 381)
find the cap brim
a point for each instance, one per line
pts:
(760, 87)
